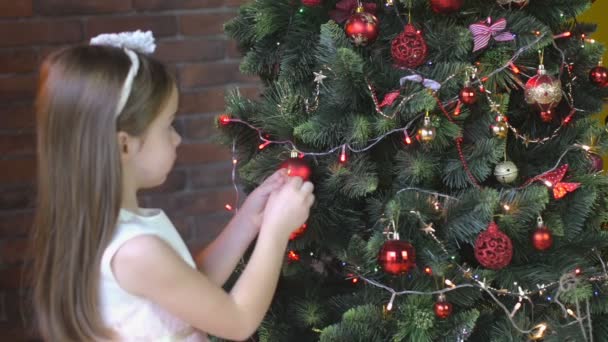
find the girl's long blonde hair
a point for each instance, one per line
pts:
(79, 178)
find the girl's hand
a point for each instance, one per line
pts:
(256, 201)
(288, 208)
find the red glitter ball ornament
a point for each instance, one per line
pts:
(362, 27)
(297, 167)
(409, 48)
(599, 76)
(446, 6)
(397, 257)
(493, 248)
(468, 95)
(542, 238)
(312, 3)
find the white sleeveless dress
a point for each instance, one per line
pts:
(135, 318)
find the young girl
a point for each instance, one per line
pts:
(106, 269)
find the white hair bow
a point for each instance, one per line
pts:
(142, 42)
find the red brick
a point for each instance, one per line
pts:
(199, 128)
(18, 61)
(22, 170)
(156, 5)
(17, 198)
(16, 224)
(176, 181)
(13, 251)
(16, 8)
(203, 23)
(40, 32)
(17, 144)
(202, 101)
(71, 7)
(19, 116)
(161, 25)
(198, 203)
(206, 229)
(17, 87)
(207, 176)
(232, 49)
(235, 3)
(210, 74)
(200, 153)
(191, 50)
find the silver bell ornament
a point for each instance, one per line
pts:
(506, 172)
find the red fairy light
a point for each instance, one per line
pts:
(224, 119)
(263, 145)
(343, 154)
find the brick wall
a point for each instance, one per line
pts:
(190, 41)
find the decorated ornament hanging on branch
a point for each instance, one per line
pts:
(468, 95)
(493, 248)
(599, 76)
(396, 257)
(346, 8)
(427, 132)
(409, 49)
(446, 6)
(297, 167)
(501, 129)
(542, 238)
(506, 172)
(362, 27)
(484, 31)
(544, 92)
(442, 308)
(597, 163)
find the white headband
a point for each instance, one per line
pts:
(139, 41)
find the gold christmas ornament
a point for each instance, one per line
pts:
(506, 172)
(500, 129)
(427, 132)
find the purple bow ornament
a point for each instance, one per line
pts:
(484, 31)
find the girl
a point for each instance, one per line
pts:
(106, 269)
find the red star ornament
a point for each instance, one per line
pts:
(553, 179)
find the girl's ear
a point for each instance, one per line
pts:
(127, 145)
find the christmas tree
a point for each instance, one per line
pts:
(457, 169)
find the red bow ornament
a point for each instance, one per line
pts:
(553, 179)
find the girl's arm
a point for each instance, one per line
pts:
(219, 258)
(146, 266)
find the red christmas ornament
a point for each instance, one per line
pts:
(547, 116)
(397, 257)
(312, 3)
(446, 6)
(599, 76)
(362, 27)
(442, 308)
(542, 238)
(409, 48)
(468, 95)
(298, 232)
(297, 167)
(543, 92)
(493, 248)
(597, 163)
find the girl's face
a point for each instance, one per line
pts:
(155, 157)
